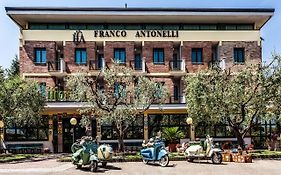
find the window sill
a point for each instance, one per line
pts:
(40, 64)
(158, 63)
(121, 64)
(197, 63)
(81, 64)
(239, 63)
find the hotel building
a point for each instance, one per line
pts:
(162, 43)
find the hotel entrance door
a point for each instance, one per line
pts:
(68, 133)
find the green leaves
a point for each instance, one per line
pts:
(172, 134)
(20, 101)
(239, 96)
(117, 93)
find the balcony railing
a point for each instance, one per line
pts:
(98, 64)
(177, 65)
(177, 99)
(138, 65)
(169, 100)
(56, 95)
(57, 66)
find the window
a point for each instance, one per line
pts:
(153, 26)
(77, 27)
(158, 56)
(56, 27)
(116, 27)
(120, 55)
(159, 93)
(138, 26)
(239, 55)
(135, 129)
(176, 92)
(157, 122)
(80, 56)
(42, 88)
(38, 26)
(36, 132)
(40, 55)
(197, 56)
(138, 62)
(100, 62)
(119, 89)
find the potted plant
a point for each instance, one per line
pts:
(172, 135)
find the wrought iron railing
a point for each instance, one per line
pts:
(57, 66)
(138, 65)
(177, 65)
(98, 64)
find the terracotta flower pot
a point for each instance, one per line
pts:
(172, 147)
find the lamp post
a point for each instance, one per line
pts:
(73, 122)
(189, 121)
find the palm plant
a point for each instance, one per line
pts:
(172, 134)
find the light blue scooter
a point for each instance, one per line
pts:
(156, 152)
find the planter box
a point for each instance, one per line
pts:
(244, 159)
(234, 157)
(226, 157)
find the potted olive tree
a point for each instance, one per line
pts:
(172, 135)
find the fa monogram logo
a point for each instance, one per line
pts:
(78, 37)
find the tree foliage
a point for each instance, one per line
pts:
(237, 97)
(20, 101)
(172, 134)
(117, 95)
(14, 69)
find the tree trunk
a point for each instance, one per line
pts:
(239, 137)
(121, 145)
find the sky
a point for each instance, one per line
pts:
(9, 32)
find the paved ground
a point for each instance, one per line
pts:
(51, 167)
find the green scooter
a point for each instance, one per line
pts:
(87, 152)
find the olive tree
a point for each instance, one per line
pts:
(117, 95)
(20, 101)
(238, 97)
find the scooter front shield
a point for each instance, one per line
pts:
(147, 153)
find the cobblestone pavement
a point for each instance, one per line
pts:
(51, 167)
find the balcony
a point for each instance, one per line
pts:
(98, 64)
(138, 65)
(177, 66)
(57, 68)
(177, 99)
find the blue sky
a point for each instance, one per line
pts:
(9, 32)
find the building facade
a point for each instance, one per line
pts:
(164, 44)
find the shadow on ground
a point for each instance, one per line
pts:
(100, 169)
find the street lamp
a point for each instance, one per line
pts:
(189, 121)
(73, 122)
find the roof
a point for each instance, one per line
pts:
(22, 15)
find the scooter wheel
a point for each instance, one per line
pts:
(190, 160)
(164, 161)
(103, 164)
(93, 166)
(216, 158)
(78, 166)
(145, 161)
